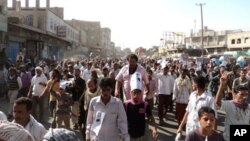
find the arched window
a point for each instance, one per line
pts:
(239, 41)
(246, 39)
(233, 41)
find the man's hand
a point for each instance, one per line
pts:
(154, 134)
(117, 94)
(224, 78)
(179, 130)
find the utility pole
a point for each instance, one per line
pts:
(202, 45)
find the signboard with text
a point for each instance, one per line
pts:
(61, 31)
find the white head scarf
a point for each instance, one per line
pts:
(13, 132)
(2, 116)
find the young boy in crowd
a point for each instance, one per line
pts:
(205, 132)
(64, 103)
(136, 110)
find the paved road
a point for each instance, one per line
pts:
(166, 132)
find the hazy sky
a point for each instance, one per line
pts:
(136, 23)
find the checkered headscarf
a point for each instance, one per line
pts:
(13, 132)
(60, 134)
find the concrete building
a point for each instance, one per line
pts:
(48, 23)
(106, 38)
(171, 42)
(238, 41)
(214, 41)
(90, 34)
(3, 29)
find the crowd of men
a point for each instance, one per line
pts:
(112, 99)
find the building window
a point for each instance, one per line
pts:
(233, 41)
(246, 39)
(51, 24)
(238, 41)
(54, 26)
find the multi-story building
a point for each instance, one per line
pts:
(57, 35)
(90, 31)
(106, 38)
(3, 30)
(213, 41)
(238, 41)
(3, 23)
(171, 42)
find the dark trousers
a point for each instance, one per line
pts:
(163, 105)
(40, 102)
(23, 92)
(171, 103)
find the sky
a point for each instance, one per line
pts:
(141, 23)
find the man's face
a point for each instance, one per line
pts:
(242, 96)
(91, 85)
(207, 121)
(106, 92)
(136, 95)
(77, 72)
(183, 75)
(165, 70)
(132, 62)
(20, 113)
(243, 73)
(38, 72)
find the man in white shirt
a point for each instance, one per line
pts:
(22, 115)
(106, 120)
(87, 72)
(38, 84)
(165, 87)
(198, 98)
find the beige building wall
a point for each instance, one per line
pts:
(106, 38)
(239, 40)
(45, 20)
(211, 38)
(92, 30)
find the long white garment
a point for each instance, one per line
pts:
(106, 122)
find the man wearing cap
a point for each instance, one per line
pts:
(136, 109)
(38, 84)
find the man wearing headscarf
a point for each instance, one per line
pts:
(38, 84)
(13, 132)
(60, 134)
